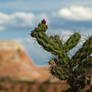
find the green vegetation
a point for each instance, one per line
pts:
(75, 70)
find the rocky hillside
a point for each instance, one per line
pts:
(15, 63)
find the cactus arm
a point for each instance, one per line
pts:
(47, 46)
(72, 41)
(44, 41)
(60, 73)
(57, 40)
(87, 63)
(52, 47)
(63, 55)
(83, 52)
(51, 44)
(85, 67)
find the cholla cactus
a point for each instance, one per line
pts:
(75, 69)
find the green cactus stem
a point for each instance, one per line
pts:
(72, 42)
(75, 69)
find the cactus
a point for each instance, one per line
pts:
(76, 69)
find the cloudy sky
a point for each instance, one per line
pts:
(64, 17)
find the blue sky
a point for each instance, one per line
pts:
(19, 17)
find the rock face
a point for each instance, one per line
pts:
(15, 63)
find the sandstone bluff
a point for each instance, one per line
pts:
(16, 64)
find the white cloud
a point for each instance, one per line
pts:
(20, 19)
(78, 13)
(3, 18)
(1, 28)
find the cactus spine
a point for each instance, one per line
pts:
(74, 70)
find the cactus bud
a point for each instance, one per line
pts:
(43, 22)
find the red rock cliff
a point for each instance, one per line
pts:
(15, 63)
